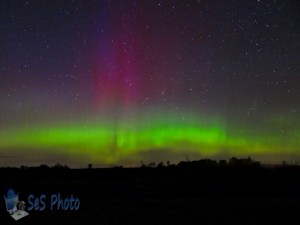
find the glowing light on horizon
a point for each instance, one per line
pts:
(111, 143)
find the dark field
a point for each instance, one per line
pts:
(185, 194)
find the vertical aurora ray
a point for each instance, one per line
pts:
(116, 73)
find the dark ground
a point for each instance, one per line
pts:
(185, 194)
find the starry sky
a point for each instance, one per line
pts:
(117, 82)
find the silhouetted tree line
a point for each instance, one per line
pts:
(206, 163)
(57, 166)
(202, 163)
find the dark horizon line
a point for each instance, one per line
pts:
(205, 162)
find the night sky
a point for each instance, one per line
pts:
(119, 82)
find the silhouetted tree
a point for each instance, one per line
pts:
(233, 161)
(43, 167)
(222, 162)
(143, 164)
(23, 167)
(161, 164)
(152, 164)
(58, 166)
(244, 162)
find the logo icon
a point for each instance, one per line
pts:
(14, 207)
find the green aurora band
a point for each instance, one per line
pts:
(113, 142)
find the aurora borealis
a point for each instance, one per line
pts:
(119, 82)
